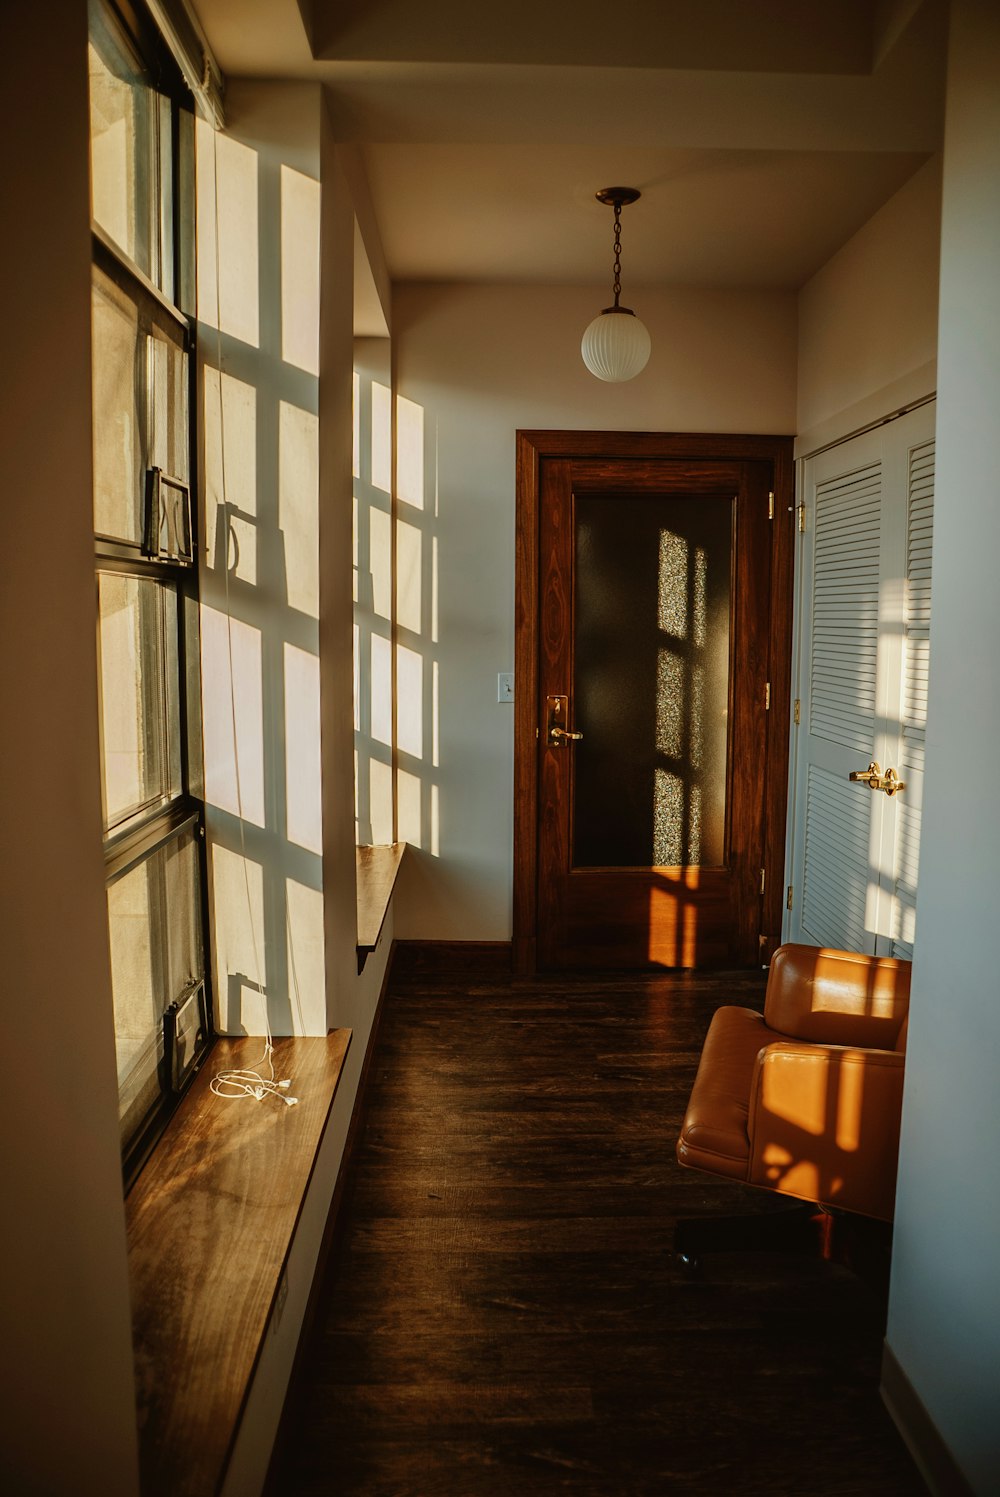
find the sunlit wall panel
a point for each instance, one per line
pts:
(303, 775)
(232, 694)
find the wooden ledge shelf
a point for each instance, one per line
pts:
(377, 871)
(210, 1222)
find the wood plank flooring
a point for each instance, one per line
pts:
(503, 1314)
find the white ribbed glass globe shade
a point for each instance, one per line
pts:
(615, 346)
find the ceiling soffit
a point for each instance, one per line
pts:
(774, 36)
(760, 145)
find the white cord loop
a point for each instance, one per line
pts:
(249, 1083)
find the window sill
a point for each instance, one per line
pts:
(377, 869)
(210, 1221)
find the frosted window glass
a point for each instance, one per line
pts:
(122, 135)
(157, 954)
(651, 690)
(119, 360)
(140, 707)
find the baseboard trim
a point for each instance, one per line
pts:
(451, 960)
(934, 1460)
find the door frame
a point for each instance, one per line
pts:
(533, 447)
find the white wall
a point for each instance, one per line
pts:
(374, 590)
(259, 207)
(68, 1405)
(944, 1312)
(473, 365)
(868, 318)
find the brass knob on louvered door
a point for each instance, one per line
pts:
(891, 783)
(872, 776)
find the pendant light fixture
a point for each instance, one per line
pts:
(616, 345)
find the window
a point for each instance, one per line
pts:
(146, 580)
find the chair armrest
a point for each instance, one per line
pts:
(837, 997)
(824, 1124)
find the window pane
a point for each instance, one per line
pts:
(140, 371)
(138, 1032)
(140, 716)
(169, 434)
(122, 134)
(182, 945)
(154, 919)
(119, 360)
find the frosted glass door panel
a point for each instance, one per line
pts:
(651, 690)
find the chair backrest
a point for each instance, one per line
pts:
(838, 997)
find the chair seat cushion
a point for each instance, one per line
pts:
(714, 1134)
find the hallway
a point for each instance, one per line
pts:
(502, 1314)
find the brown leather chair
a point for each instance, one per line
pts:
(806, 1100)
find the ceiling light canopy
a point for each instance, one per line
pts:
(616, 345)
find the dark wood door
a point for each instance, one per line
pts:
(652, 698)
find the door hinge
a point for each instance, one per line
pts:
(763, 879)
(770, 504)
(802, 518)
(788, 898)
(796, 713)
(767, 697)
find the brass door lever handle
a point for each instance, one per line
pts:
(872, 776)
(557, 710)
(876, 780)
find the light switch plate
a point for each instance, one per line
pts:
(505, 686)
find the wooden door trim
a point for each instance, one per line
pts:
(533, 447)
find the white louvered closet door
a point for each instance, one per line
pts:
(864, 630)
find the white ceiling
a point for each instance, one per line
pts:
(762, 133)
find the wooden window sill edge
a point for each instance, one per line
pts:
(377, 870)
(210, 1221)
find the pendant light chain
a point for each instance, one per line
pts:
(616, 348)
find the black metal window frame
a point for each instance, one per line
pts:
(144, 830)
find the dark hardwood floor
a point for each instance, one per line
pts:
(503, 1314)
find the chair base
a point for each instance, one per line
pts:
(859, 1243)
